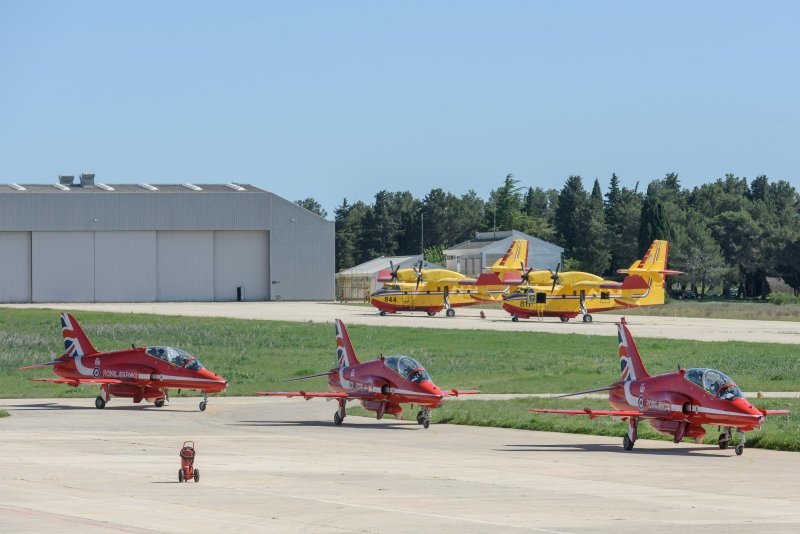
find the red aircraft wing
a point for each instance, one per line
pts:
(594, 413)
(458, 392)
(775, 412)
(313, 394)
(78, 381)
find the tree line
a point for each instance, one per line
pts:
(725, 234)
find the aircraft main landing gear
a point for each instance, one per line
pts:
(740, 447)
(204, 402)
(564, 319)
(340, 414)
(159, 403)
(450, 312)
(587, 318)
(382, 313)
(630, 438)
(431, 313)
(99, 403)
(424, 417)
(514, 318)
(725, 438)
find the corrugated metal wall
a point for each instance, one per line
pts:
(99, 246)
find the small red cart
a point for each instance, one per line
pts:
(187, 470)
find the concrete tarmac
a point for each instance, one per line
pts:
(699, 329)
(280, 465)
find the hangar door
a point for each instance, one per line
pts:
(15, 266)
(185, 269)
(241, 259)
(125, 266)
(62, 266)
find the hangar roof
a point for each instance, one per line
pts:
(142, 187)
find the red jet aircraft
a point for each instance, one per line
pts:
(676, 404)
(381, 385)
(139, 373)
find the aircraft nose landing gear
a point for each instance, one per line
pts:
(740, 447)
(204, 402)
(424, 417)
(724, 438)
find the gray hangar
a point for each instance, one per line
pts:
(87, 242)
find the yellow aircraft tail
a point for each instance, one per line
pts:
(646, 278)
(515, 258)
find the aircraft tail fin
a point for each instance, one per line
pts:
(630, 361)
(646, 278)
(76, 343)
(345, 354)
(515, 257)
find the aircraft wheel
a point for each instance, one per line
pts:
(431, 313)
(197, 475)
(426, 423)
(99, 403)
(724, 441)
(158, 403)
(514, 319)
(587, 318)
(450, 312)
(382, 313)
(739, 449)
(420, 418)
(337, 419)
(627, 444)
(564, 319)
(180, 475)
(202, 406)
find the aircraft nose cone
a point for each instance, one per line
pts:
(431, 388)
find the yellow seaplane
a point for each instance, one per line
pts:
(434, 290)
(566, 295)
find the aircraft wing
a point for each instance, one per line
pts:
(775, 412)
(594, 413)
(78, 381)
(459, 392)
(313, 394)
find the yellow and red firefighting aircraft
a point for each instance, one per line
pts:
(431, 290)
(569, 294)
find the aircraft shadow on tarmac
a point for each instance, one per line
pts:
(603, 447)
(56, 406)
(387, 426)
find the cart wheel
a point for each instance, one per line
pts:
(197, 475)
(99, 403)
(158, 403)
(202, 406)
(180, 475)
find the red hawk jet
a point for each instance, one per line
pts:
(140, 373)
(381, 385)
(677, 404)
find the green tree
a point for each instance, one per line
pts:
(349, 226)
(381, 228)
(623, 210)
(313, 206)
(654, 223)
(701, 260)
(572, 204)
(506, 205)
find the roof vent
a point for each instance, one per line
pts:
(66, 179)
(18, 187)
(235, 187)
(87, 178)
(148, 187)
(192, 187)
(105, 186)
(61, 186)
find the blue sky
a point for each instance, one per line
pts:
(342, 99)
